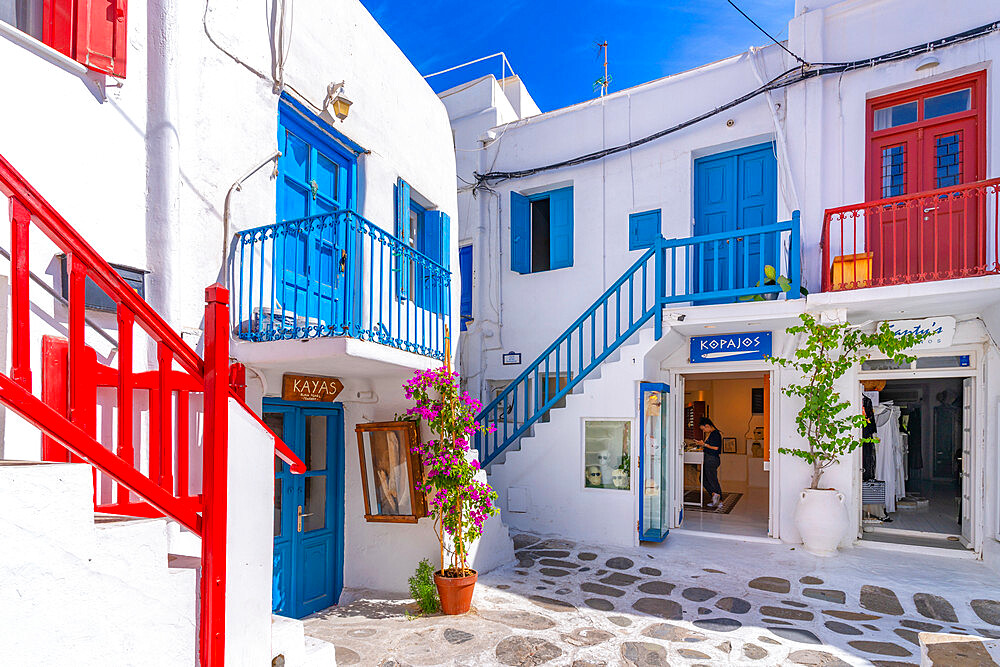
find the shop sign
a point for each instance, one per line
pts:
(731, 347)
(310, 388)
(941, 329)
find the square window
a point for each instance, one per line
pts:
(643, 228)
(541, 229)
(607, 455)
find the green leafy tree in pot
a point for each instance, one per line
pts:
(827, 352)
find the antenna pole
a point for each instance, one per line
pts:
(604, 82)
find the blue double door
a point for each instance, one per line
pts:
(735, 190)
(314, 179)
(308, 508)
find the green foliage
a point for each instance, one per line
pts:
(772, 277)
(422, 588)
(827, 352)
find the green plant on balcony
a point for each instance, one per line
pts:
(772, 277)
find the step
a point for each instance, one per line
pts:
(319, 653)
(287, 641)
(132, 542)
(56, 499)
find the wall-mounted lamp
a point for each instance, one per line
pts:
(337, 101)
(928, 63)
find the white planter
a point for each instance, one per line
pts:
(822, 520)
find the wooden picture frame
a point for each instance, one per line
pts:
(391, 472)
(729, 445)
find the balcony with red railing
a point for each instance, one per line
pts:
(928, 236)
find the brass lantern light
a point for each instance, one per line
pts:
(337, 102)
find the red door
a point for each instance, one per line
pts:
(924, 144)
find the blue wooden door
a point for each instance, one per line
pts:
(312, 180)
(732, 191)
(308, 508)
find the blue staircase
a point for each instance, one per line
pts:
(721, 266)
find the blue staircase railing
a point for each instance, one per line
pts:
(701, 269)
(337, 274)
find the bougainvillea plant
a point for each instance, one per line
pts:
(824, 355)
(458, 502)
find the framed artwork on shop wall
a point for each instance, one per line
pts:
(391, 472)
(729, 445)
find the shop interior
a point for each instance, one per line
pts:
(911, 478)
(738, 405)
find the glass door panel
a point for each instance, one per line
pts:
(655, 461)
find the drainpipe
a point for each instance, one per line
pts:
(162, 151)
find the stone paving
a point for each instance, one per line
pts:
(703, 601)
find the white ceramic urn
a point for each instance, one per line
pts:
(822, 520)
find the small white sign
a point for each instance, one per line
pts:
(942, 331)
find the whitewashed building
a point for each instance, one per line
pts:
(598, 344)
(190, 144)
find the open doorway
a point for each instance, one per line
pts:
(738, 406)
(915, 478)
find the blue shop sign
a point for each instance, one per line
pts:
(731, 347)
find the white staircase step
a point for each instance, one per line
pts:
(287, 641)
(319, 653)
(132, 542)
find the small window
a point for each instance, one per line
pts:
(893, 171)
(643, 228)
(901, 114)
(884, 365)
(427, 231)
(948, 103)
(607, 455)
(94, 297)
(465, 271)
(541, 231)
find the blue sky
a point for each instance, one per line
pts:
(551, 43)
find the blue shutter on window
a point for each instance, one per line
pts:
(561, 228)
(465, 273)
(643, 228)
(520, 233)
(437, 246)
(403, 234)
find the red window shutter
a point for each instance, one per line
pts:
(91, 32)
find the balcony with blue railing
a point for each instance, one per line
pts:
(338, 275)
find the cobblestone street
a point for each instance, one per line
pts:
(692, 601)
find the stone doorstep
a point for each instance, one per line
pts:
(938, 649)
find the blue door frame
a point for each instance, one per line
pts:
(308, 550)
(737, 189)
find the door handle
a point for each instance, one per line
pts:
(300, 515)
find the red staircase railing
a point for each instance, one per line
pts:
(72, 376)
(941, 234)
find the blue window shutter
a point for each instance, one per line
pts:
(561, 228)
(520, 233)
(436, 244)
(403, 234)
(465, 272)
(643, 228)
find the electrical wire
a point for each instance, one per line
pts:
(756, 25)
(789, 77)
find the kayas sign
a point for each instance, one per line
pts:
(941, 331)
(310, 388)
(731, 347)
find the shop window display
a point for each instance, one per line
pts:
(607, 461)
(391, 472)
(654, 465)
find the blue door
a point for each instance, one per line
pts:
(732, 191)
(310, 259)
(308, 508)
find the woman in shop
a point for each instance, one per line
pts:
(712, 447)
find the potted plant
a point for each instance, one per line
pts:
(826, 353)
(772, 277)
(459, 503)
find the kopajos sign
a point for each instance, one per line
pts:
(941, 330)
(752, 346)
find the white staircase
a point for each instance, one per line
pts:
(78, 592)
(539, 476)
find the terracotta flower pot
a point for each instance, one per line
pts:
(455, 592)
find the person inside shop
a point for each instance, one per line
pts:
(712, 447)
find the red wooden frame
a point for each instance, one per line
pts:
(976, 81)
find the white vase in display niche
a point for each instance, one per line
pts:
(594, 476)
(603, 458)
(619, 478)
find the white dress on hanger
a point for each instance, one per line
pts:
(888, 453)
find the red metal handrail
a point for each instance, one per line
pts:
(66, 411)
(941, 234)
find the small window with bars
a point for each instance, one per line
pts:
(948, 160)
(893, 171)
